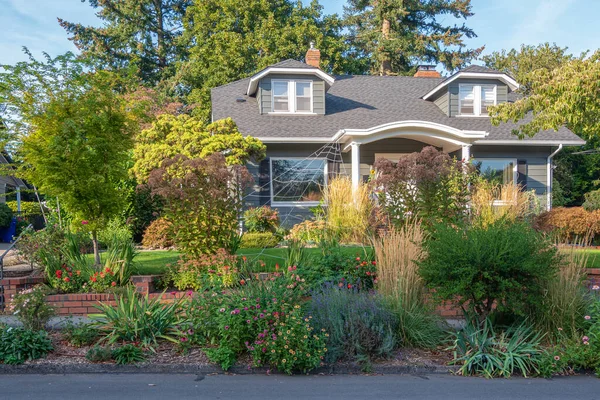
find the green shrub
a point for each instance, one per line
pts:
(31, 309)
(592, 201)
(480, 350)
(128, 354)
(502, 265)
(18, 345)
(259, 240)
(157, 235)
(216, 270)
(138, 318)
(6, 215)
(99, 354)
(79, 335)
(261, 219)
(360, 325)
(29, 209)
(115, 229)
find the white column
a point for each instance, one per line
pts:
(18, 199)
(466, 152)
(355, 164)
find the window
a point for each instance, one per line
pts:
(297, 180)
(474, 100)
(497, 171)
(292, 96)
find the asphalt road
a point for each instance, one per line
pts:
(250, 387)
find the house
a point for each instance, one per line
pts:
(315, 125)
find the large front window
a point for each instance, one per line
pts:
(474, 100)
(497, 171)
(291, 96)
(297, 180)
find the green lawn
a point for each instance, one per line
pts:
(154, 262)
(594, 258)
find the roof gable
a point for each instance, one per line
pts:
(288, 67)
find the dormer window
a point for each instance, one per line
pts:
(292, 96)
(474, 100)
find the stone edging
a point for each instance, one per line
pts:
(203, 369)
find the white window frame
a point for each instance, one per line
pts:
(295, 203)
(292, 97)
(476, 98)
(515, 172)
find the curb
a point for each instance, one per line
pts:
(62, 369)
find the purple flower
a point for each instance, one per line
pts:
(262, 315)
(226, 327)
(248, 321)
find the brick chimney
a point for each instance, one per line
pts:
(313, 56)
(427, 71)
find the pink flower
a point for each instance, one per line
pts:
(173, 293)
(190, 293)
(595, 287)
(585, 338)
(84, 222)
(221, 310)
(587, 317)
(560, 329)
(556, 358)
(183, 339)
(226, 327)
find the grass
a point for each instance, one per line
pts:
(153, 262)
(593, 260)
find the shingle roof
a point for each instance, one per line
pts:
(358, 102)
(289, 63)
(480, 69)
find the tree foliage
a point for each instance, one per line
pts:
(397, 35)
(182, 134)
(142, 34)
(234, 39)
(75, 132)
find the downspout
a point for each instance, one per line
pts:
(549, 178)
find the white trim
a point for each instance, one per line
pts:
(253, 83)
(310, 90)
(294, 203)
(355, 166)
(475, 75)
(291, 97)
(294, 139)
(549, 177)
(477, 99)
(466, 134)
(525, 142)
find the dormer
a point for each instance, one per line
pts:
(292, 87)
(470, 91)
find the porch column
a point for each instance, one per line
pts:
(355, 164)
(466, 152)
(19, 199)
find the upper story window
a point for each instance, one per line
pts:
(292, 96)
(474, 100)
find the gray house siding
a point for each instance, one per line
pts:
(501, 92)
(263, 95)
(535, 163)
(443, 103)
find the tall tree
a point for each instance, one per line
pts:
(74, 133)
(524, 64)
(567, 94)
(139, 33)
(234, 39)
(397, 35)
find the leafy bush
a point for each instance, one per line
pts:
(359, 324)
(259, 240)
(31, 309)
(115, 229)
(18, 345)
(429, 185)
(6, 215)
(79, 335)
(592, 201)
(138, 318)
(235, 320)
(261, 219)
(99, 354)
(29, 209)
(203, 200)
(569, 224)
(157, 235)
(503, 265)
(128, 354)
(219, 269)
(483, 351)
(397, 253)
(308, 231)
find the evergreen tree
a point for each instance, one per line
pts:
(136, 33)
(397, 35)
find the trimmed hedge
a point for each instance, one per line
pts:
(259, 240)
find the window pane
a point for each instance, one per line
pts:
(280, 104)
(280, 88)
(496, 171)
(302, 89)
(303, 104)
(488, 98)
(298, 180)
(467, 99)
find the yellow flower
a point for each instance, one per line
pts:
(325, 349)
(305, 337)
(285, 347)
(296, 306)
(273, 351)
(305, 319)
(291, 351)
(307, 355)
(288, 332)
(283, 361)
(327, 335)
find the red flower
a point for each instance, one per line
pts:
(58, 273)
(84, 222)
(349, 286)
(67, 279)
(93, 279)
(357, 258)
(373, 262)
(242, 282)
(113, 284)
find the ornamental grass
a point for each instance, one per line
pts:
(492, 202)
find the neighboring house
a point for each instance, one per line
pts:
(315, 124)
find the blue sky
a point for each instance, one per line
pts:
(499, 24)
